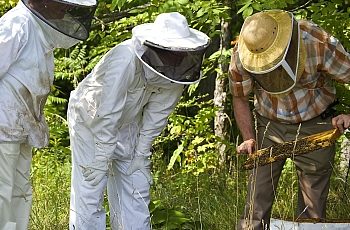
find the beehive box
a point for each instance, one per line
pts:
(277, 224)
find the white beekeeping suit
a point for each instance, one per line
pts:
(27, 40)
(118, 110)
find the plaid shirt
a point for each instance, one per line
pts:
(326, 60)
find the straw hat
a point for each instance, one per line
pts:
(263, 39)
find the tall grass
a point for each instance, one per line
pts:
(210, 200)
(51, 189)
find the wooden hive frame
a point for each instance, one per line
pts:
(291, 148)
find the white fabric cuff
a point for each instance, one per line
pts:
(143, 147)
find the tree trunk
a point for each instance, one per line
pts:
(344, 157)
(220, 94)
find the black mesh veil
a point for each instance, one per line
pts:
(283, 77)
(72, 18)
(179, 65)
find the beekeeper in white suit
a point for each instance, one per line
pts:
(116, 112)
(28, 35)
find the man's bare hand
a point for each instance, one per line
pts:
(341, 122)
(246, 147)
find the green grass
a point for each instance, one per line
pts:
(212, 200)
(51, 189)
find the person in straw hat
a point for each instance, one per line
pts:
(118, 110)
(289, 65)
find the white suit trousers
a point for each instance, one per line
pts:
(15, 186)
(128, 195)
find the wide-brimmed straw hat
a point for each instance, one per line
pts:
(263, 39)
(171, 30)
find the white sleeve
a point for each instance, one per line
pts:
(114, 81)
(155, 116)
(12, 37)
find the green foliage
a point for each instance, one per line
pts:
(344, 98)
(250, 7)
(333, 16)
(209, 200)
(191, 136)
(6, 5)
(51, 189)
(167, 218)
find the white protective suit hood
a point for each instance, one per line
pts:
(69, 17)
(170, 48)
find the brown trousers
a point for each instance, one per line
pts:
(314, 170)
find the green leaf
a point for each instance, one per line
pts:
(257, 6)
(175, 155)
(197, 140)
(244, 7)
(176, 129)
(200, 13)
(182, 2)
(247, 12)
